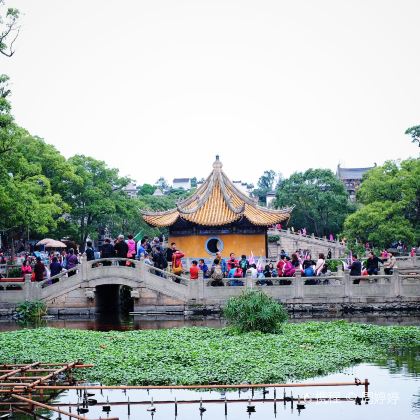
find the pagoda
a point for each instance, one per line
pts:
(218, 217)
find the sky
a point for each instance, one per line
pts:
(158, 88)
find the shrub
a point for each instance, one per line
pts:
(273, 238)
(31, 311)
(255, 311)
(14, 272)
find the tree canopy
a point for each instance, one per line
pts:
(414, 133)
(320, 200)
(390, 211)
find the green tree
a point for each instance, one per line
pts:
(9, 28)
(146, 189)
(320, 200)
(94, 196)
(379, 223)
(266, 183)
(414, 133)
(390, 198)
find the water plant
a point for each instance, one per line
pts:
(255, 311)
(207, 355)
(31, 311)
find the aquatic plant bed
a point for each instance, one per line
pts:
(206, 355)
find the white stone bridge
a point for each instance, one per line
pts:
(94, 284)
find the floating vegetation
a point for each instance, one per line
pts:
(206, 355)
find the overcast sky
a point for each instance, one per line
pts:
(158, 88)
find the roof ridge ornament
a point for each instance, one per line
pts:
(217, 165)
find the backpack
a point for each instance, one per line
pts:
(238, 273)
(217, 273)
(309, 272)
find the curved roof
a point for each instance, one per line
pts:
(217, 202)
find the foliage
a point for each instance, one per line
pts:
(146, 189)
(414, 133)
(390, 195)
(205, 355)
(31, 311)
(94, 196)
(255, 311)
(9, 28)
(266, 183)
(273, 238)
(14, 272)
(320, 200)
(333, 265)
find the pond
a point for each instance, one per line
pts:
(394, 392)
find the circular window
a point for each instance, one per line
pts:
(214, 245)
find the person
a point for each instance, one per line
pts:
(203, 267)
(159, 259)
(232, 261)
(107, 251)
(413, 252)
(372, 264)
(231, 272)
(253, 271)
(329, 254)
(280, 265)
(223, 264)
(295, 261)
(319, 266)
(131, 243)
(170, 251)
(90, 253)
(244, 265)
(121, 249)
(39, 269)
(26, 267)
(390, 264)
(289, 270)
(177, 268)
(267, 271)
(283, 254)
(308, 267)
(141, 249)
(72, 262)
(148, 261)
(55, 268)
(355, 267)
(216, 273)
(194, 269)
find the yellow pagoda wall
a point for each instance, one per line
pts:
(195, 246)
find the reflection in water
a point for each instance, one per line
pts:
(116, 321)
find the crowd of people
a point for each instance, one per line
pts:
(170, 260)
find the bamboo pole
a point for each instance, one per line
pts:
(212, 386)
(48, 407)
(18, 369)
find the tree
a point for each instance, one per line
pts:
(320, 200)
(9, 28)
(94, 195)
(266, 183)
(390, 198)
(146, 189)
(414, 132)
(379, 223)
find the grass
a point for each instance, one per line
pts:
(206, 355)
